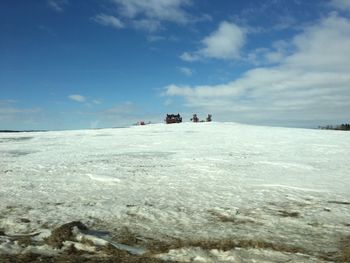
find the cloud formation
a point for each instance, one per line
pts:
(224, 43)
(57, 5)
(97, 102)
(310, 84)
(341, 4)
(150, 15)
(186, 71)
(163, 10)
(77, 97)
(108, 20)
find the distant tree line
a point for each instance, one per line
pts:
(23, 131)
(342, 127)
(8, 131)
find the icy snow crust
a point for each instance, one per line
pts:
(188, 182)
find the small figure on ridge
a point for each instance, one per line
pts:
(208, 118)
(194, 118)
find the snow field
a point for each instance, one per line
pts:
(190, 182)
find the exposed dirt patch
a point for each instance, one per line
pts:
(314, 224)
(16, 139)
(226, 219)
(345, 250)
(224, 245)
(64, 233)
(24, 241)
(118, 257)
(342, 255)
(339, 202)
(103, 254)
(16, 153)
(127, 237)
(24, 220)
(284, 213)
(125, 256)
(109, 253)
(22, 258)
(223, 218)
(345, 254)
(230, 218)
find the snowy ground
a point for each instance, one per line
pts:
(280, 194)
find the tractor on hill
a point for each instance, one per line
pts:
(173, 118)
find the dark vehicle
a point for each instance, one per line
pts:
(195, 118)
(208, 118)
(173, 118)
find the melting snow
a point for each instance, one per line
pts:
(188, 182)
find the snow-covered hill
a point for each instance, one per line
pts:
(278, 189)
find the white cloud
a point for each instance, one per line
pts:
(167, 102)
(155, 38)
(107, 20)
(186, 71)
(150, 15)
(276, 54)
(341, 4)
(77, 97)
(224, 43)
(97, 102)
(158, 38)
(57, 5)
(310, 84)
(150, 25)
(189, 57)
(164, 10)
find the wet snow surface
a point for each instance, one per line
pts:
(288, 189)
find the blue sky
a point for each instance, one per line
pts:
(72, 64)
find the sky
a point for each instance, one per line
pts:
(77, 64)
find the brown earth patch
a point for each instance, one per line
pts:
(71, 258)
(24, 220)
(284, 213)
(127, 237)
(63, 233)
(342, 255)
(345, 254)
(345, 250)
(224, 245)
(24, 241)
(230, 218)
(339, 202)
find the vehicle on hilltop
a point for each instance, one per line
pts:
(173, 118)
